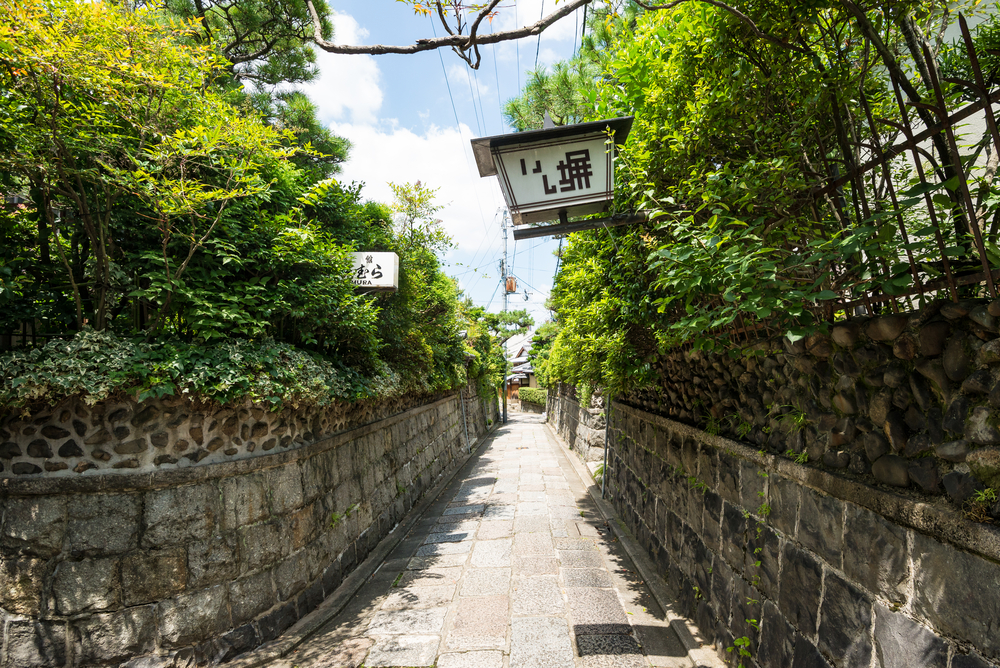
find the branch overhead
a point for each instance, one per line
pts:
(462, 44)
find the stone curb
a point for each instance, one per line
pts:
(686, 631)
(302, 630)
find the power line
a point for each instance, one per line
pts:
(496, 73)
(458, 124)
(538, 44)
(446, 82)
(472, 94)
(517, 50)
(576, 29)
(483, 241)
(541, 292)
(479, 96)
(490, 302)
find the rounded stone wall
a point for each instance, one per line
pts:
(73, 438)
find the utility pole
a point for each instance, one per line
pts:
(503, 284)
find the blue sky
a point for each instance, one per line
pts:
(397, 111)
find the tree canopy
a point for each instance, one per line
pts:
(161, 210)
(740, 111)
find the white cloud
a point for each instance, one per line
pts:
(438, 157)
(349, 87)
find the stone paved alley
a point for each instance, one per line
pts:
(512, 566)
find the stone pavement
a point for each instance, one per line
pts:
(511, 567)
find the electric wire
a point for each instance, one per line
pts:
(538, 44)
(576, 29)
(517, 49)
(479, 96)
(472, 96)
(447, 83)
(496, 74)
(490, 302)
(458, 125)
(541, 292)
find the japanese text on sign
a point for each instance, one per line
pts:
(575, 172)
(376, 271)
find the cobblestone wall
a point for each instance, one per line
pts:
(181, 565)
(908, 401)
(72, 438)
(582, 428)
(831, 570)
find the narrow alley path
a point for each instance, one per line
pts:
(511, 567)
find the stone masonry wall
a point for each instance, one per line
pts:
(73, 438)
(185, 565)
(582, 429)
(832, 571)
(906, 401)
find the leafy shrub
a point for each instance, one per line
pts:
(533, 395)
(95, 365)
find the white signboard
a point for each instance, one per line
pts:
(556, 172)
(559, 174)
(375, 271)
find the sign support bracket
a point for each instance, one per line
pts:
(565, 227)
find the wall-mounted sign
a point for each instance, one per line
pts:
(375, 271)
(554, 173)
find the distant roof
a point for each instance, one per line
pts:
(519, 360)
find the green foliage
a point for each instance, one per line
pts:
(266, 43)
(567, 92)
(979, 506)
(736, 235)
(196, 222)
(797, 457)
(741, 646)
(533, 395)
(95, 365)
(795, 420)
(541, 348)
(110, 118)
(415, 208)
(323, 152)
(560, 93)
(605, 312)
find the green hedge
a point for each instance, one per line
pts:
(95, 365)
(533, 395)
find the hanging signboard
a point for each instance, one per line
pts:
(375, 271)
(557, 172)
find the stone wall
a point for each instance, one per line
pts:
(581, 428)
(73, 438)
(530, 407)
(180, 564)
(832, 570)
(907, 401)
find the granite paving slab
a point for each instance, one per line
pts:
(479, 623)
(540, 642)
(409, 650)
(486, 582)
